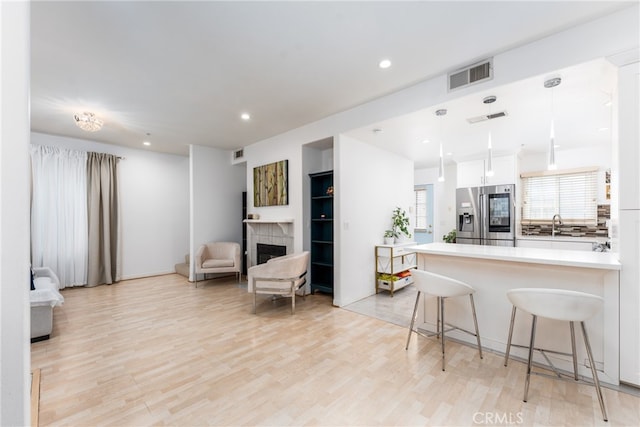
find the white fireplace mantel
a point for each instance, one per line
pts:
(282, 223)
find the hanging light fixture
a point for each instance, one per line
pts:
(441, 113)
(550, 84)
(88, 122)
(489, 100)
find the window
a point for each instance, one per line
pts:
(420, 210)
(571, 193)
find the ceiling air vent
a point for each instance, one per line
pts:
(485, 117)
(472, 74)
(238, 154)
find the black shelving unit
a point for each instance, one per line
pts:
(244, 233)
(322, 232)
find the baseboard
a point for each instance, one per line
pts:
(35, 397)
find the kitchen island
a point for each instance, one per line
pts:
(493, 270)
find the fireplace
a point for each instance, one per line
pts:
(266, 252)
(268, 232)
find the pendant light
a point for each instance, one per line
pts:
(550, 84)
(441, 113)
(489, 100)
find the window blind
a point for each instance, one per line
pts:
(572, 194)
(420, 208)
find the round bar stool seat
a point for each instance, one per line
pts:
(557, 304)
(441, 287)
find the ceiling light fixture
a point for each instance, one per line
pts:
(550, 84)
(88, 122)
(385, 63)
(245, 116)
(147, 143)
(489, 100)
(441, 113)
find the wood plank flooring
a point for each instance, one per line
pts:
(158, 351)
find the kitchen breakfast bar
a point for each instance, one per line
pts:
(493, 270)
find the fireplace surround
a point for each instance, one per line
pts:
(268, 232)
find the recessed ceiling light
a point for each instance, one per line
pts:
(147, 143)
(385, 63)
(603, 129)
(449, 153)
(425, 141)
(245, 116)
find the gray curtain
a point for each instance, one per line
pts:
(103, 217)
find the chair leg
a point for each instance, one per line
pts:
(596, 381)
(475, 322)
(438, 318)
(413, 319)
(441, 300)
(573, 351)
(531, 345)
(254, 297)
(513, 318)
(293, 300)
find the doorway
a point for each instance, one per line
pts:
(423, 221)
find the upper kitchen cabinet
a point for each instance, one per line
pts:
(473, 173)
(629, 135)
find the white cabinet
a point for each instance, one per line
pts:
(473, 173)
(578, 245)
(393, 263)
(629, 149)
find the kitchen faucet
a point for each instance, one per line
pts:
(553, 224)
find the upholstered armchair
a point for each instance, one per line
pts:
(281, 276)
(217, 257)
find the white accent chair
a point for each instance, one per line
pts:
(441, 287)
(557, 304)
(217, 257)
(282, 276)
(43, 298)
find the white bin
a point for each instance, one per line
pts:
(42, 303)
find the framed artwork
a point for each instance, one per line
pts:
(271, 184)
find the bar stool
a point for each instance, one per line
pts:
(441, 287)
(558, 304)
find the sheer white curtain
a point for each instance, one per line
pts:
(59, 231)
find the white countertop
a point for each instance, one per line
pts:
(582, 259)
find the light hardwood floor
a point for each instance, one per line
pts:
(158, 351)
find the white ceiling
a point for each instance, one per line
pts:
(582, 116)
(183, 72)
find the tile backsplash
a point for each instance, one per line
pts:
(601, 230)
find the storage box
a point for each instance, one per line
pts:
(42, 303)
(394, 285)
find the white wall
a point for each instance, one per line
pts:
(274, 151)
(216, 188)
(154, 190)
(15, 359)
(365, 199)
(444, 198)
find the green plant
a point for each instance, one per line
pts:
(389, 233)
(450, 237)
(400, 222)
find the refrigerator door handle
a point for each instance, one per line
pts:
(483, 217)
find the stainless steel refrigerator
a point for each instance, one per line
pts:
(486, 215)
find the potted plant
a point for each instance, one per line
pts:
(450, 237)
(400, 224)
(389, 237)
